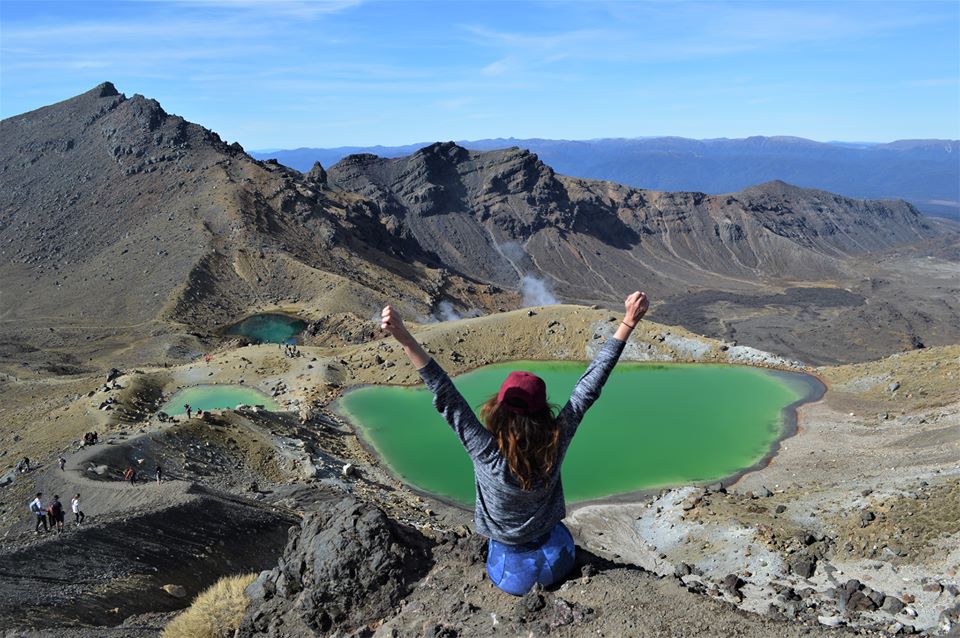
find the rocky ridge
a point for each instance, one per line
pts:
(736, 266)
(116, 215)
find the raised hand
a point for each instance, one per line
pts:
(636, 305)
(392, 322)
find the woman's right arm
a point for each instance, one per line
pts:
(446, 398)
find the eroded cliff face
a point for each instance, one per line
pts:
(504, 213)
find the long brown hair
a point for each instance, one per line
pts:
(528, 442)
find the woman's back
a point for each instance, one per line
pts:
(504, 510)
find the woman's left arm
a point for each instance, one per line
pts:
(392, 322)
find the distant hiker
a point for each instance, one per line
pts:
(36, 506)
(26, 464)
(55, 514)
(159, 474)
(517, 452)
(130, 475)
(186, 406)
(77, 512)
(93, 438)
(63, 462)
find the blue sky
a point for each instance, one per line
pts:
(330, 73)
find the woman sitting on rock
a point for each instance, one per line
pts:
(517, 454)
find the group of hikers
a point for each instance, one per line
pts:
(130, 474)
(51, 517)
(89, 438)
(189, 410)
(290, 350)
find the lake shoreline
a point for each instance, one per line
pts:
(813, 389)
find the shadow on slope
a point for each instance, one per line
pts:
(191, 544)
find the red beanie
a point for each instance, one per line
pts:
(523, 392)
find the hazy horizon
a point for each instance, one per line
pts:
(269, 149)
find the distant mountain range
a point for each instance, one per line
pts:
(924, 172)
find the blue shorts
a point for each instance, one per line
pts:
(517, 568)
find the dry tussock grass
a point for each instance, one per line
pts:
(216, 612)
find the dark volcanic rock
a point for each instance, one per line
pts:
(854, 598)
(892, 605)
(803, 566)
(733, 583)
(346, 566)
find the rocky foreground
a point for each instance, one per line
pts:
(853, 526)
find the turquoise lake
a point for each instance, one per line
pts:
(268, 328)
(654, 425)
(216, 397)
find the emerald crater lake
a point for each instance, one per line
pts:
(216, 397)
(268, 328)
(654, 425)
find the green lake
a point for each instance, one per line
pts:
(654, 425)
(216, 397)
(268, 328)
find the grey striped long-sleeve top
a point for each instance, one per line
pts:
(504, 511)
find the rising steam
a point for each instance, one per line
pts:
(446, 312)
(535, 292)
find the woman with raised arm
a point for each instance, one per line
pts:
(517, 452)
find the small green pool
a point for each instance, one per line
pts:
(216, 397)
(654, 425)
(268, 328)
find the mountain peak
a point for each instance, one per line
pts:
(105, 89)
(443, 150)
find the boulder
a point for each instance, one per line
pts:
(732, 584)
(346, 566)
(858, 601)
(878, 597)
(830, 621)
(803, 566)
(854, 597)
(177, 591)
